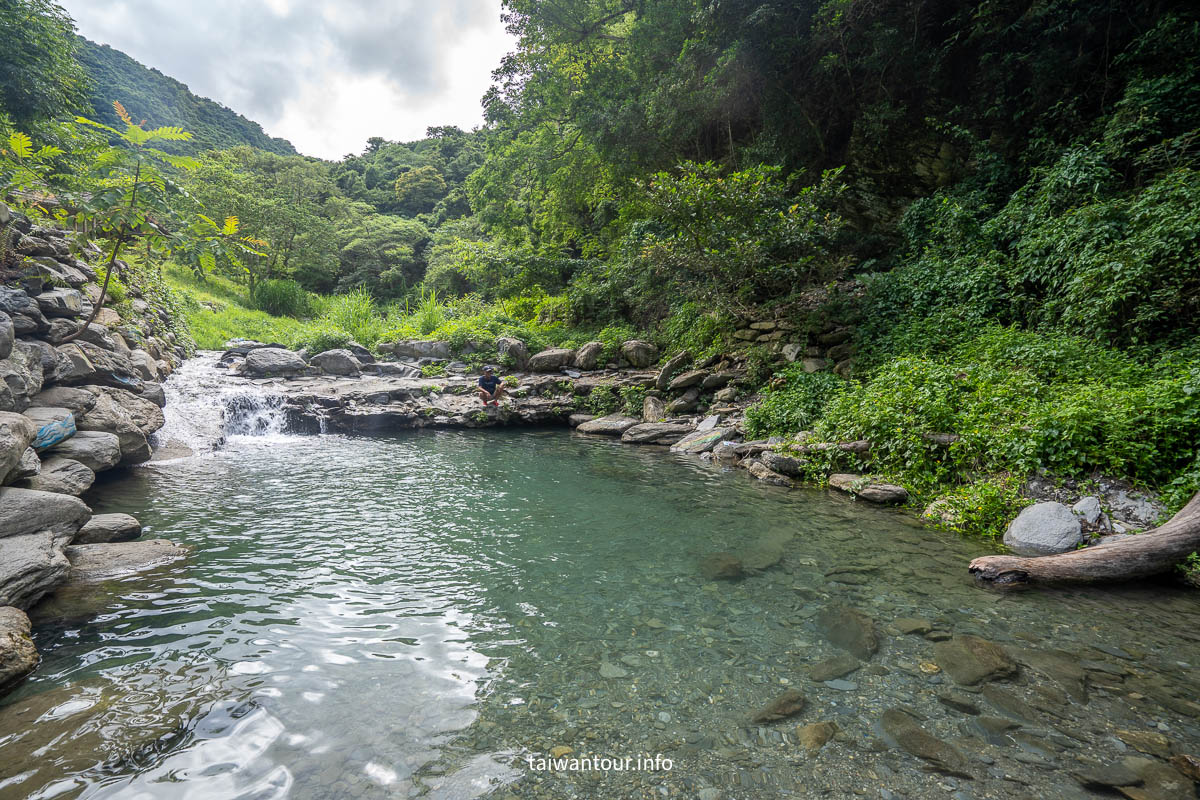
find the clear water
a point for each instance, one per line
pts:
(414, 615)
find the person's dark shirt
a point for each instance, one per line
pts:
(489, 383)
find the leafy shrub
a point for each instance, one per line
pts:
(634, 398)
(282, 298)
(794, 401)
(985, 507)
(602, 401)
(692, 328)
(320, 337)
(435, 370)
(355, 313)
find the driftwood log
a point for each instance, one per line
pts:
(1129, 559)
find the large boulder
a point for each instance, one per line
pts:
(656, 433)
(428, 348)
(95, 562)
(60, 303)
(7, 335)
(653, 409)
(685, 402)
(612, 425)
(588, 356)
(18, 656)
(17, 432)
(516, 349)
(27, 467)
(34, 528)
(79, 400)
(61, 475)
(552, 360)
(638, 353)
(676, 363)
(104, 528)
(87, 363)
(96, 450)
(687, 379)
(26, 317)
(969, 660)
(51, 425)
(130, 417)
(337, 362)
(1044, 529)
(144, 363)
(273, 362)
(21, 377)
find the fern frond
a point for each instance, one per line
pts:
(208, 262)
(20, 144)
(122, 113)
(100, 125)
(49, 151)
(169, 133)
(208, 220)
(179, 162)
(231, 226)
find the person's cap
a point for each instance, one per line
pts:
(488, 369)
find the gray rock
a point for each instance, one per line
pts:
(144, 363)
(51, 425)
(767, 475)
(791, 351)
(422, 348)
(656, 433)
(577, 419)
(653, 409)
(21, 377)
(87, 363)
(709, 422)
(60, 303)
(785, 705)
(386, 368)
(130, 417)
(638, 353)
(1088, 509)
(901, 730)
(783, 464)
(104, 528)
(273, 362)
(701, 441)
(1044, 529)
(873, 491)
(363, 355)
(93, 562)
(849, 629)
(716, 381)
(155, 394)
(676, 363)
(27, 467)
(96, 450)
(17, 433)
(814, 364)
(18, 656)
(611, 425)
(61, 475)
(78, 400)
(551, 360)
(970, 660)
(833, 668)
(8, 335)
(337, 362)
(726, 395)
(722, 566)
(588, 356)
(515, 349)
(687, 379)
(23, 310)
(685, 402)
(31, 564)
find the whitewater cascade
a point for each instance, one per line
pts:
(205, 405)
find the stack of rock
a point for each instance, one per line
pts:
(67, 411)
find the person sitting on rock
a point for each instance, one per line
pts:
(491, 388)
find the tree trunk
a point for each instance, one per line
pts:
(1136, 557)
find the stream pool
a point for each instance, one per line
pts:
(427, 614)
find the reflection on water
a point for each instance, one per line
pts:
(402, 616)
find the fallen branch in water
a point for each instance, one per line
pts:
(1136, 557)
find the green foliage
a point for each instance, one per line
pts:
(39, 76)
(985, 507)
(739, 238)
(634, 398)
(429, 315)
(793, 401)
(353, 312)
(603, 400)
(419, 190)
(692, 328)
(282, 298)
(1191, 569)
(435, 370)
(321, 336)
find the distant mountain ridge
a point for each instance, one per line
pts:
(161, 100)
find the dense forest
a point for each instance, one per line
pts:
(1001, 199)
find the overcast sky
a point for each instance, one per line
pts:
(324, 74)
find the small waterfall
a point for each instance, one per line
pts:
(205, 405)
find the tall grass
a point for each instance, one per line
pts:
(282, 298)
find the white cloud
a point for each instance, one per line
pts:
(324, 74)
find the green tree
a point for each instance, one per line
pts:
(418, 190)
(39, 76)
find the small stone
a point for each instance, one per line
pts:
(849, 629)
(832, 668)
(785, 705)
(969, 660)
(608, 670)
(842, 686)
(722, 566)
(959, 702)
(1148, 742)
(912, 625)
(814, 736)
(560, 751)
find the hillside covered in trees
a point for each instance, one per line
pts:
(1000, 202)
